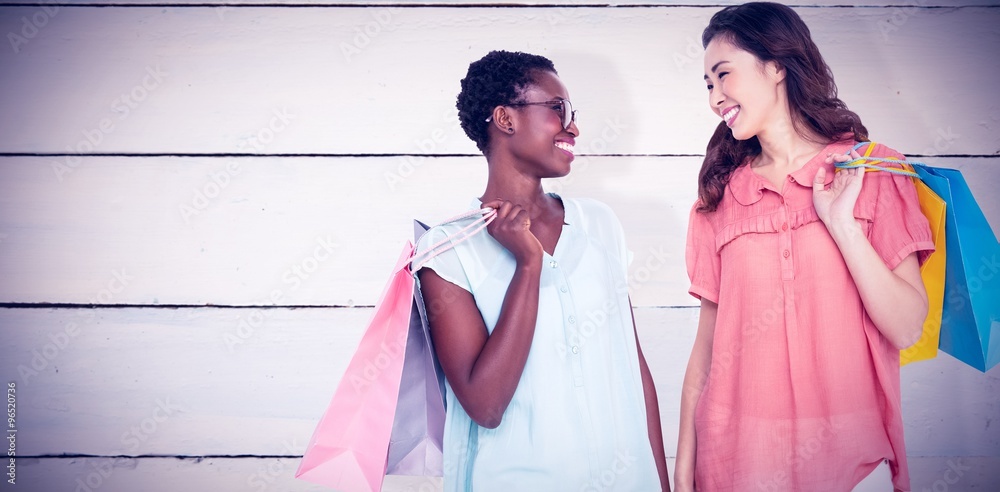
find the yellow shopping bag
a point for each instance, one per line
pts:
(932, 273)
(933, 269)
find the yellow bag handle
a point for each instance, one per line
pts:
(870, 164)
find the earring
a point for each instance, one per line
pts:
(510, 129)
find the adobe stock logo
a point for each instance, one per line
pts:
(123, 106)
(31, 26)
(607, 479)
(382, 20)
(299, 272)
(956, 470)
(140, 433)
(41, 358)
(217, 182)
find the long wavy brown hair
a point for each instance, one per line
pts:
(774, 32)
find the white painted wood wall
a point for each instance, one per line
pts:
(199, 205)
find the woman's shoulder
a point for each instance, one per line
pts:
(882, 151)
(451, 231)
(884, 188)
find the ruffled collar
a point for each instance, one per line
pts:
(748, 187)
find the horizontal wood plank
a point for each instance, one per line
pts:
(205, 382)
(277, 474)
(308, 231)
(192, 381)
(363, 81)
(303, 231)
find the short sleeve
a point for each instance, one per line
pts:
(702, 258)
(447, 265)
(899, 228)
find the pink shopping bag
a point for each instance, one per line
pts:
(348, 449)
(387, 414)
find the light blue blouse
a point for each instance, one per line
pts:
(577, 420)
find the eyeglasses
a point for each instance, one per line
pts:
(562, 106)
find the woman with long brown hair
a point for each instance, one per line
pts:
(808, 278)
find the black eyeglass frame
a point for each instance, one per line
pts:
(568, 114)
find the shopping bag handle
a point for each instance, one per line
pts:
(868, 163)
(483, 217)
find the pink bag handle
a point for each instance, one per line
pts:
(484, 217)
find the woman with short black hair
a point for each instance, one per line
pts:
(546, 385)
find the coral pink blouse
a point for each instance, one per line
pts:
(803, 391)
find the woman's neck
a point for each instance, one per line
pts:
(519, 189)
(529, 196)
(784, 148)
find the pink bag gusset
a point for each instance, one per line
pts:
(415, 447)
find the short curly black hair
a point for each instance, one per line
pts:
(494, 80)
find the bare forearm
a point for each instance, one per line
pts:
(695, 377)
(498, 368)
(694, 382)
(897, 307)
(654, 425)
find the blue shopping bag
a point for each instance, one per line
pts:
(970, 321)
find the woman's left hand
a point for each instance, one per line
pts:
(835, 205)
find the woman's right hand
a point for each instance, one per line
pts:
(512, 229)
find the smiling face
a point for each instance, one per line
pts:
(540, 141)
(747, 94)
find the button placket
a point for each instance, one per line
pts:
(570, 326)
(785, 244)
